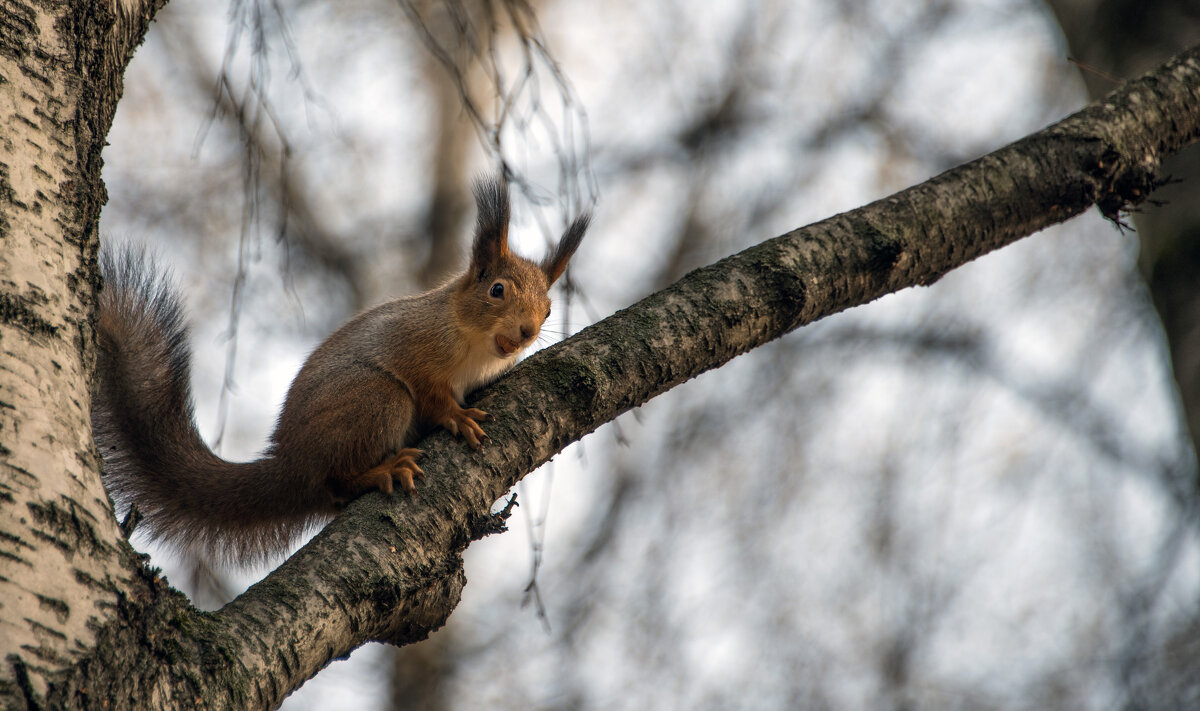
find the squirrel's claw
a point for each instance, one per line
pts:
(400, 467)
(464, 423)
(404, 469)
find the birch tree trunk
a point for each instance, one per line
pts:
(64, 566)
(84, 624)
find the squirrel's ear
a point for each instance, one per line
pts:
(491, 231)
(555, 263)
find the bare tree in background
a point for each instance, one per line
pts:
(1111, 40)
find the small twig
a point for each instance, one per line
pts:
(1093, 70)
(493, 523)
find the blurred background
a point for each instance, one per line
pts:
(978, 495)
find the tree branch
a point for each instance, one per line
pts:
(391, 569)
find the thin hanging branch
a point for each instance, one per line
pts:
(469, 43)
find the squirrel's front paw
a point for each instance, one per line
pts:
(463, 422)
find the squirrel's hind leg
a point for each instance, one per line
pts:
(353, 431)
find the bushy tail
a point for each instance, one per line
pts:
(143, 423)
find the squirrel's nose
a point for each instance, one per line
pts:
(526, 332)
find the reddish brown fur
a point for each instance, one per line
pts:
(375, 386)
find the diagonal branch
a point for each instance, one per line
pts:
(391, 569)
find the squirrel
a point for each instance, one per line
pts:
(367, 393)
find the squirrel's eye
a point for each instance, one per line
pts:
(497, 291)
(547, 314)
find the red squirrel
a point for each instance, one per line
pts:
(363, 397)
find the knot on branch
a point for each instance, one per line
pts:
(488, 524)
(883, 251)
(415, 613)
(1123, 182)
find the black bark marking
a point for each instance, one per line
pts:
(16, 310)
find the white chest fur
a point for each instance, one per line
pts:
(479, 366)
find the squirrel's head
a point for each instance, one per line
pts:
(503, 299)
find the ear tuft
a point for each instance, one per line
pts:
(491, 230)
(555, 263)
